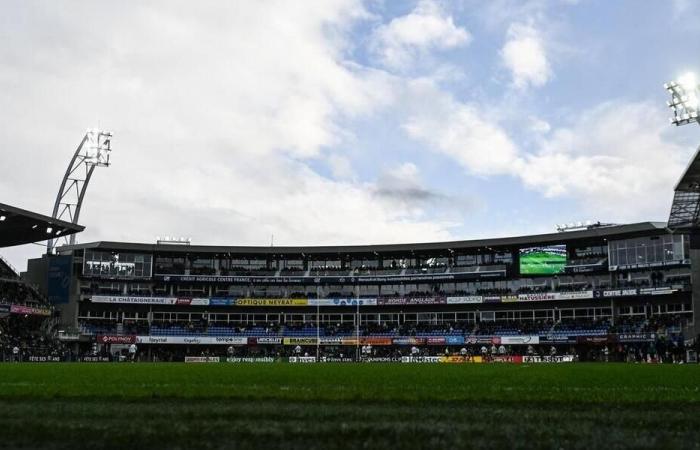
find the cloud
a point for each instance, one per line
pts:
(525, 56)
(615, 161)
(218, 113)
(427, 28)
(462, 131)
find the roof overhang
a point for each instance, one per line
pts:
(685, 209)
(19, 226)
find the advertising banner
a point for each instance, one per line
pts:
(333, 359)
(4, 311)
(381, 359)
(113, 339)
(133, 300)
(421, 359)
(302, 359)
(492, 299)
(250, 359)
(408, 341)
(411, 301)
(548, 359)
(375, 341)
(464, 300)
(515, 359)
(272, 302)
(472, 340)
(520, 340)
(635, 337)
(265, 341)
(435, 340)
(592, 339)
(454, 340)
(192, 340)
(43, 359)
(202, 359)
(300, 341)
(342, 302)
(29, 310)
(331, 340)
(222, 301)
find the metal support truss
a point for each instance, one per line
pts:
(93, 151)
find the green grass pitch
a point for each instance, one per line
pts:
(541, 263)
(328, 406)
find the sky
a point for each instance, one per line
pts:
(346, 122)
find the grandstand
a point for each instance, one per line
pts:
(26, 317)
(620, 289)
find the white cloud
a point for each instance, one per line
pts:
(428, 27)
(614, 162)
(460, 130)
(525, 56)
(216, 112)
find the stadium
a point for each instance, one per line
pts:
(481, 329)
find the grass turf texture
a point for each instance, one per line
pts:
(341, 406)
(541, 263)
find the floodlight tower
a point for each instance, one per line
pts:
(94, 151)
(684, 99)
(685, 209)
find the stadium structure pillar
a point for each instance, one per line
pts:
(695, 281)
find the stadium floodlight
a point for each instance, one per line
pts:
(685, 95)
(93, 151)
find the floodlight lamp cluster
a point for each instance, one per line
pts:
(98, 147)
(684, 103)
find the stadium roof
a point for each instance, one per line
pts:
(685, 210)
(594, 233)
(19, 226)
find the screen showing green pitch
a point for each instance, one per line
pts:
(549, 260)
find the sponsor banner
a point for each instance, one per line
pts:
(464, 300)
(331, 359)
(30, 310)
(514, 359)
(421, 359)
(375, 341)
(4, 311)
(133, 300)
(250, 359)
(509, 298)
(369, 279)
(408, 341)
(635, 292)
(547, 296)
(43, 359)
(343, 302)
(472, 340)
(617, 293)
(331, 340)
(192, 340)
(657, 291)
(435, 340)
(222, 301)
(300, 341)
(112, 339)
(548, 359)
(202, 359)
(385, 359)
(411, 301)
(592, 339)
(302, 359)
(272, 302)
(635, 337)
(230, 340)
(454, 340)
(95, 359)
(519, 340)
(350, 341)
(70, 336)
(265, 341)
(492, 299)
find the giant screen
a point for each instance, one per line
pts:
(545, 260)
